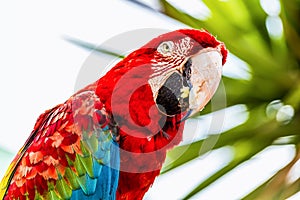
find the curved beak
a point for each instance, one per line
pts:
(206, 72)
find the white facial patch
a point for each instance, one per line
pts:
(206, 75)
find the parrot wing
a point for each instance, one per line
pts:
(72, 153)
(4, 184)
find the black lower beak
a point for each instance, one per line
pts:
(169, 98)
(186, 116)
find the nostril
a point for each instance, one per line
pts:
(200, 87)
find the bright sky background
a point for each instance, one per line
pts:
(39, 70)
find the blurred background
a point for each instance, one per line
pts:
(244, 145)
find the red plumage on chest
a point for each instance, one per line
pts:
(145, 133)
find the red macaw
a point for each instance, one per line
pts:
(109, 140)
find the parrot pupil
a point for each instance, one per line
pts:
(166, 47)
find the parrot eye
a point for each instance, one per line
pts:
(165, 48)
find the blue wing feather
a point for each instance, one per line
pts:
(106, 184)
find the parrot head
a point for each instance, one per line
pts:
(178, 71)
(187, 68)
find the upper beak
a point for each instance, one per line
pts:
(206, 72)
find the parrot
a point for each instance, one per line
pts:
(109, 140)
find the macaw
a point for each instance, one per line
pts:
(109, 140)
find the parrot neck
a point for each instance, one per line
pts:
(128, 97)
(125, 92)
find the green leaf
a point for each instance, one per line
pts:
(237, 161)
(182, 154)
(291, 22)
(277, 187)
(93, 47)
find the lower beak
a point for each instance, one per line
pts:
(206, 72)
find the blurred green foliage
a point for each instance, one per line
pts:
(274, 62)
